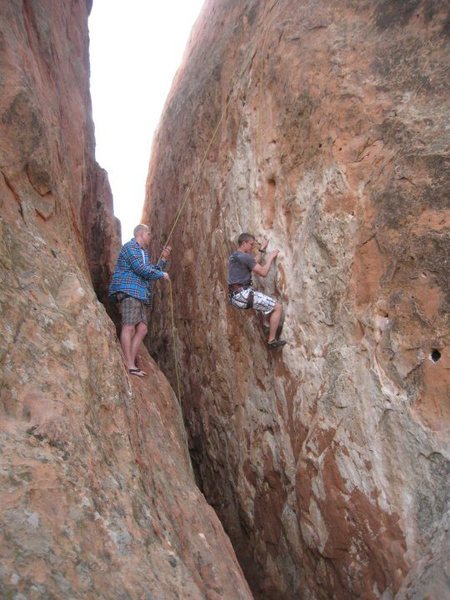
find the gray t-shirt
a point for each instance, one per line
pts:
(240, 268)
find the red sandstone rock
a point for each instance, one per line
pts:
(97, 498)
(327, 463)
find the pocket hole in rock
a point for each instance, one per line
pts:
(435, 355)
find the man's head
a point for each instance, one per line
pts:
(246, 242)
(142, 234)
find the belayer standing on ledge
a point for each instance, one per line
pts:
(131, 287)
(242, 264)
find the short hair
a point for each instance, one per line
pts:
(245, 237)
(139, 228)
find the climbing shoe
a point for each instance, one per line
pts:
(276, 344)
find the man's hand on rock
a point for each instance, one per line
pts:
(264, 245)
(274, 254)
(166, 276)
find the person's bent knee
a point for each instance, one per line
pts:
(278, 307)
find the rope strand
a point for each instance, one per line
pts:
(196, 177)
(202, 162)
(177, 217)
(177, 374)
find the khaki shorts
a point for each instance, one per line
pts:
(133, 311)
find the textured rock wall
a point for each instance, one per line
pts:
(328, 463)
(97, 498)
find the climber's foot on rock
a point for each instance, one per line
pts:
(272, 344)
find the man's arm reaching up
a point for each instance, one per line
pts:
(263, 270)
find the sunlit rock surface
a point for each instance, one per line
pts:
(97, 498)
(328, 462)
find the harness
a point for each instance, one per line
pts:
(235, 288)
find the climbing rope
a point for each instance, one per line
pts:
(202, 162)
(172, 318)
(180, 210)
(191, 185)
(213, 137)
(177, 217)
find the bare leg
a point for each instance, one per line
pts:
(141, 332)
(280, 326)
(275, 318)
(127, 335)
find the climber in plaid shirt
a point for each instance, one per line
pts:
(131, 287)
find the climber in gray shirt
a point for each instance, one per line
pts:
(242, 264)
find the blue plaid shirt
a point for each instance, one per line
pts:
(134, 273)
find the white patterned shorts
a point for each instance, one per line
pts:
(261, 302)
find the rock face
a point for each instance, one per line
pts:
(322, 126)
(97, 497)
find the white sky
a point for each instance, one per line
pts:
(135, 49)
